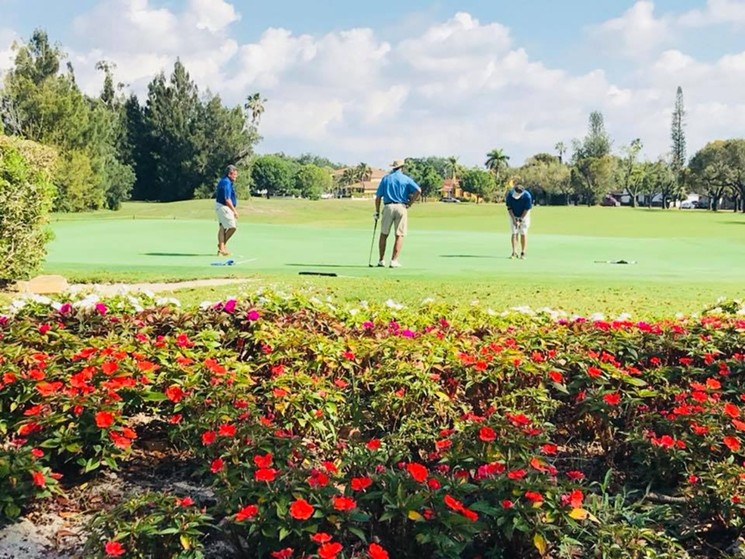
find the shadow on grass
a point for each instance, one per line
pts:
(177, 254)
(468, 256)
(294, 265)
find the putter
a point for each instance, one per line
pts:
(372, 243)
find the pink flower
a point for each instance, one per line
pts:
(253, 315)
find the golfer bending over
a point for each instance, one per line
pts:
(397, 191)
(519, 202)
(225, 207)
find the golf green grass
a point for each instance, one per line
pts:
(681, 259)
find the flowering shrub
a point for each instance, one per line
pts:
(372, 431)
(149, 525)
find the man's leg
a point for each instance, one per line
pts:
(229, 233)
(381, 246)
(221, 239)
(397, 247)
(513, 239)
(523, 243)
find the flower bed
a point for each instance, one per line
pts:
(380, 431)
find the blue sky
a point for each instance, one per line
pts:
(364, 81)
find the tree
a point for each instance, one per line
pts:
(561, 149)
(453, 167)
(661, 180)
(362, 173)
(254, 106)
(478, 182)
(593, 164)
(272, 174)
(497, 161)
(631, 172)
(312, 181)
(719, 166)
(546, 177)
(677, 134)
(425, 175)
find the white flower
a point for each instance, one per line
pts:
(475, 303)
(204, 305)
(41, 299)
(491, 312)
(353, 312)
(624, 316)
(428, 301)
(364, 304)
(168, 301)
(390, 303)
(597, 316)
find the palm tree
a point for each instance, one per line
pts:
(254, 106)
(347, 178)
(562, 149)
(363, 172)
(496, 162)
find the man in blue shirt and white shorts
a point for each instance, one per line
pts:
(397, 191)
(225, 207)
(519, 203)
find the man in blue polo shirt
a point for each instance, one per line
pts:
(519, 203)
(225, 207)
(397, 191)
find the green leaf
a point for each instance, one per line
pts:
(357, 532)
(154, 397)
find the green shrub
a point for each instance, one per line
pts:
(26, 195)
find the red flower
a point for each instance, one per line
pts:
(264, 461)
(285, 553)
(549, 448)
(487, 434)
(174, 393)
(344, 503)
(301, 509)
(265, 474)
(186, 502)
(443, 444)
(594, 372)
(575, 475)
(732, 410)
(373, 444)
(516, 474)
(329, 550)
(109, 367)
(733, 443)
(556, 376)
(246, 513)
(433, 484)
(38, 479)
(575, 498)
(453, 503)
(226, 430)
(208, 437)
(37, 452)
(217, 465)
(318, 479)
(114, 549)
(104, 419)
(534, 496)
(361, 483)
(417, 471)
(376, 551)
(321, 537)
(507, 504)
(612, 399)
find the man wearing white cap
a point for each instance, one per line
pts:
(519, 203)
(397, 191)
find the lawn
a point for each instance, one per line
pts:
(679, 260)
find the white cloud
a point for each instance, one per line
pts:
(459, 86)
(636, 32)
(716, 12)
(7, 38)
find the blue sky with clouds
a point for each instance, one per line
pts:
(364, 81)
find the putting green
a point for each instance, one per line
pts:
(464, 243)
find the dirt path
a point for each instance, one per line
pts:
(107, 289)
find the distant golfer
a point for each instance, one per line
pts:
(225, 207)
(397, 191)
(519, 203)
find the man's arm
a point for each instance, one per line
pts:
(377, 205)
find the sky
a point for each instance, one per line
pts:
(376, 81)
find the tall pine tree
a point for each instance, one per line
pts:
(677, 134)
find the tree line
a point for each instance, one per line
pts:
(113, 147)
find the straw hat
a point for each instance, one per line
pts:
(397, 164)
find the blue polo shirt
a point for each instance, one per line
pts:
(519, 205)
(395, 188)
(225, 191)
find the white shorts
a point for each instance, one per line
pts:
(395, 214)
(521, 229)
(225, 216)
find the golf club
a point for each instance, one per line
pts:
(372, 243)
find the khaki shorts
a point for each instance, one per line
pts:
(522, 229)
(394, 214)
(225, 216)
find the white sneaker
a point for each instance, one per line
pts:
(381, 264)
(395, 264)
